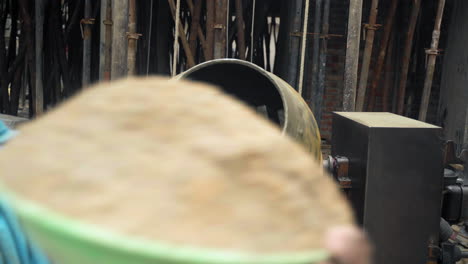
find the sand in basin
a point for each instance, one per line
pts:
(178, 162)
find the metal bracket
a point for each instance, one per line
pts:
(369, 27)
(133, 35)
(85, 21)
(433, 52)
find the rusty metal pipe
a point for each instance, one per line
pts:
(323, 63)
(382, 53)
(352, 55)
(432, 54)
(370, 33)
(240, 29)
(262, 90)
(407, 56)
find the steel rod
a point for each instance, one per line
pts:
(149, 35)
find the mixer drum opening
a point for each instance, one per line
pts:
(244, 82)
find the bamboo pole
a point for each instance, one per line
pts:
(382, 53)
(352, 54)
(119, 39)
(407, 55)
(432, 54)
(370, 28)
(240, 29)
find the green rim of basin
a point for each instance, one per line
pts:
(68, 240)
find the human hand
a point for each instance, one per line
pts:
(347, 245)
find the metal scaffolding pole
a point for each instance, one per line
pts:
(432, 55)
(119, 39)
(86, 24)
(323, 62)
(407, 56)
(352, 54)
(370, 33)
(382, 53)
(38, 89)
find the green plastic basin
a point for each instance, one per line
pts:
(68, 241)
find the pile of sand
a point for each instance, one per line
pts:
(177, 162)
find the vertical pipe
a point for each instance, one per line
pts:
(199, 32)
(432, 54)
(382, 53)
(305, 25)
(370, 28)
(219, 49)
(195, 26)
(38, 90)
(315, 55)
(162, 46)
(352, 54)
(295, 14)
(132, 37)
(175, 53)
(388, 74)
(210, 18)
(181, 33)
(119, 38)
(106, 41)
(323, 62)
(240, 29)
(407, 56)
(150, 30)
(86, 44)
(102, 37)
(252, 33)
